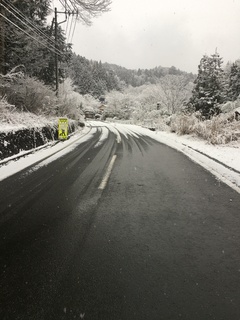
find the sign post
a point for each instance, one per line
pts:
(62, 128)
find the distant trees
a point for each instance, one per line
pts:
(92, 77)
(141, 102)
(139, 77)
(97, 78)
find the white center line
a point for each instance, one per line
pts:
(107, 174)
(118, 138)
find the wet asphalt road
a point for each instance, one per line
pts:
(161, 241)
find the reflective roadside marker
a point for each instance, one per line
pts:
(62, 128)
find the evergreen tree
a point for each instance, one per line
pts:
(92, 77)
(29, 41)
(234, 82)
(209, 89)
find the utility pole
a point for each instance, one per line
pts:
(56, 54)
(56, 24)
(2, 39)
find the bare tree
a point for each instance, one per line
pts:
(88, 9)
(175, 91)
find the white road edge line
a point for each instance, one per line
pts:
(104, 182)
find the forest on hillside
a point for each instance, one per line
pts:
(97, 78)
(32, 82)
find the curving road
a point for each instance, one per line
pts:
(120, 227)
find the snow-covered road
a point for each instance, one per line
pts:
(113, 224)
(222, 161)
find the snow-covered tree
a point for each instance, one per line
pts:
(210, 89)
(141, 102)
(92, 77)
(175, 91)
(234, 81)
(28, 40)
(118, 105)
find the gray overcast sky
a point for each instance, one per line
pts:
(149, 33)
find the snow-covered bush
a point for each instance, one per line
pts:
(230, 106)
(37, 97)
(12, 119)
(68, 100)
(218, 130)
(183, 124)
(71, 103)
(31, 95)
(5, 109)
(27, 93)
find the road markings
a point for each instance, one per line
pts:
(103, 184)
(118, 137)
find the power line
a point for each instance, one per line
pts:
(69, 33)
(66, 29)
(26, 19)
(36, 33)
(37, 30)
(73, 5)
(73, 30)
(42, 38)
(32, 25)
(65, 5)
(15, 25)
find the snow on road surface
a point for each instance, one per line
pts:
(221, 160)
(103, 137)
(44, 156)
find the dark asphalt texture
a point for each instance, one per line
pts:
(161, 242)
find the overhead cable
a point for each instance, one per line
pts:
(66, 6)
(73, 4)
(73, 30)
(45, 40)
(27, 20)
(69, 33)
(35, 39)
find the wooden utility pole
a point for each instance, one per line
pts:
(2, 39)
(56, 54)
(56, 24)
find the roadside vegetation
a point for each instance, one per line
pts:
(206, 105)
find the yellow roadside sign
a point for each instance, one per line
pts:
(62, 128)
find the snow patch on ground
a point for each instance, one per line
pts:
(44, 156)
